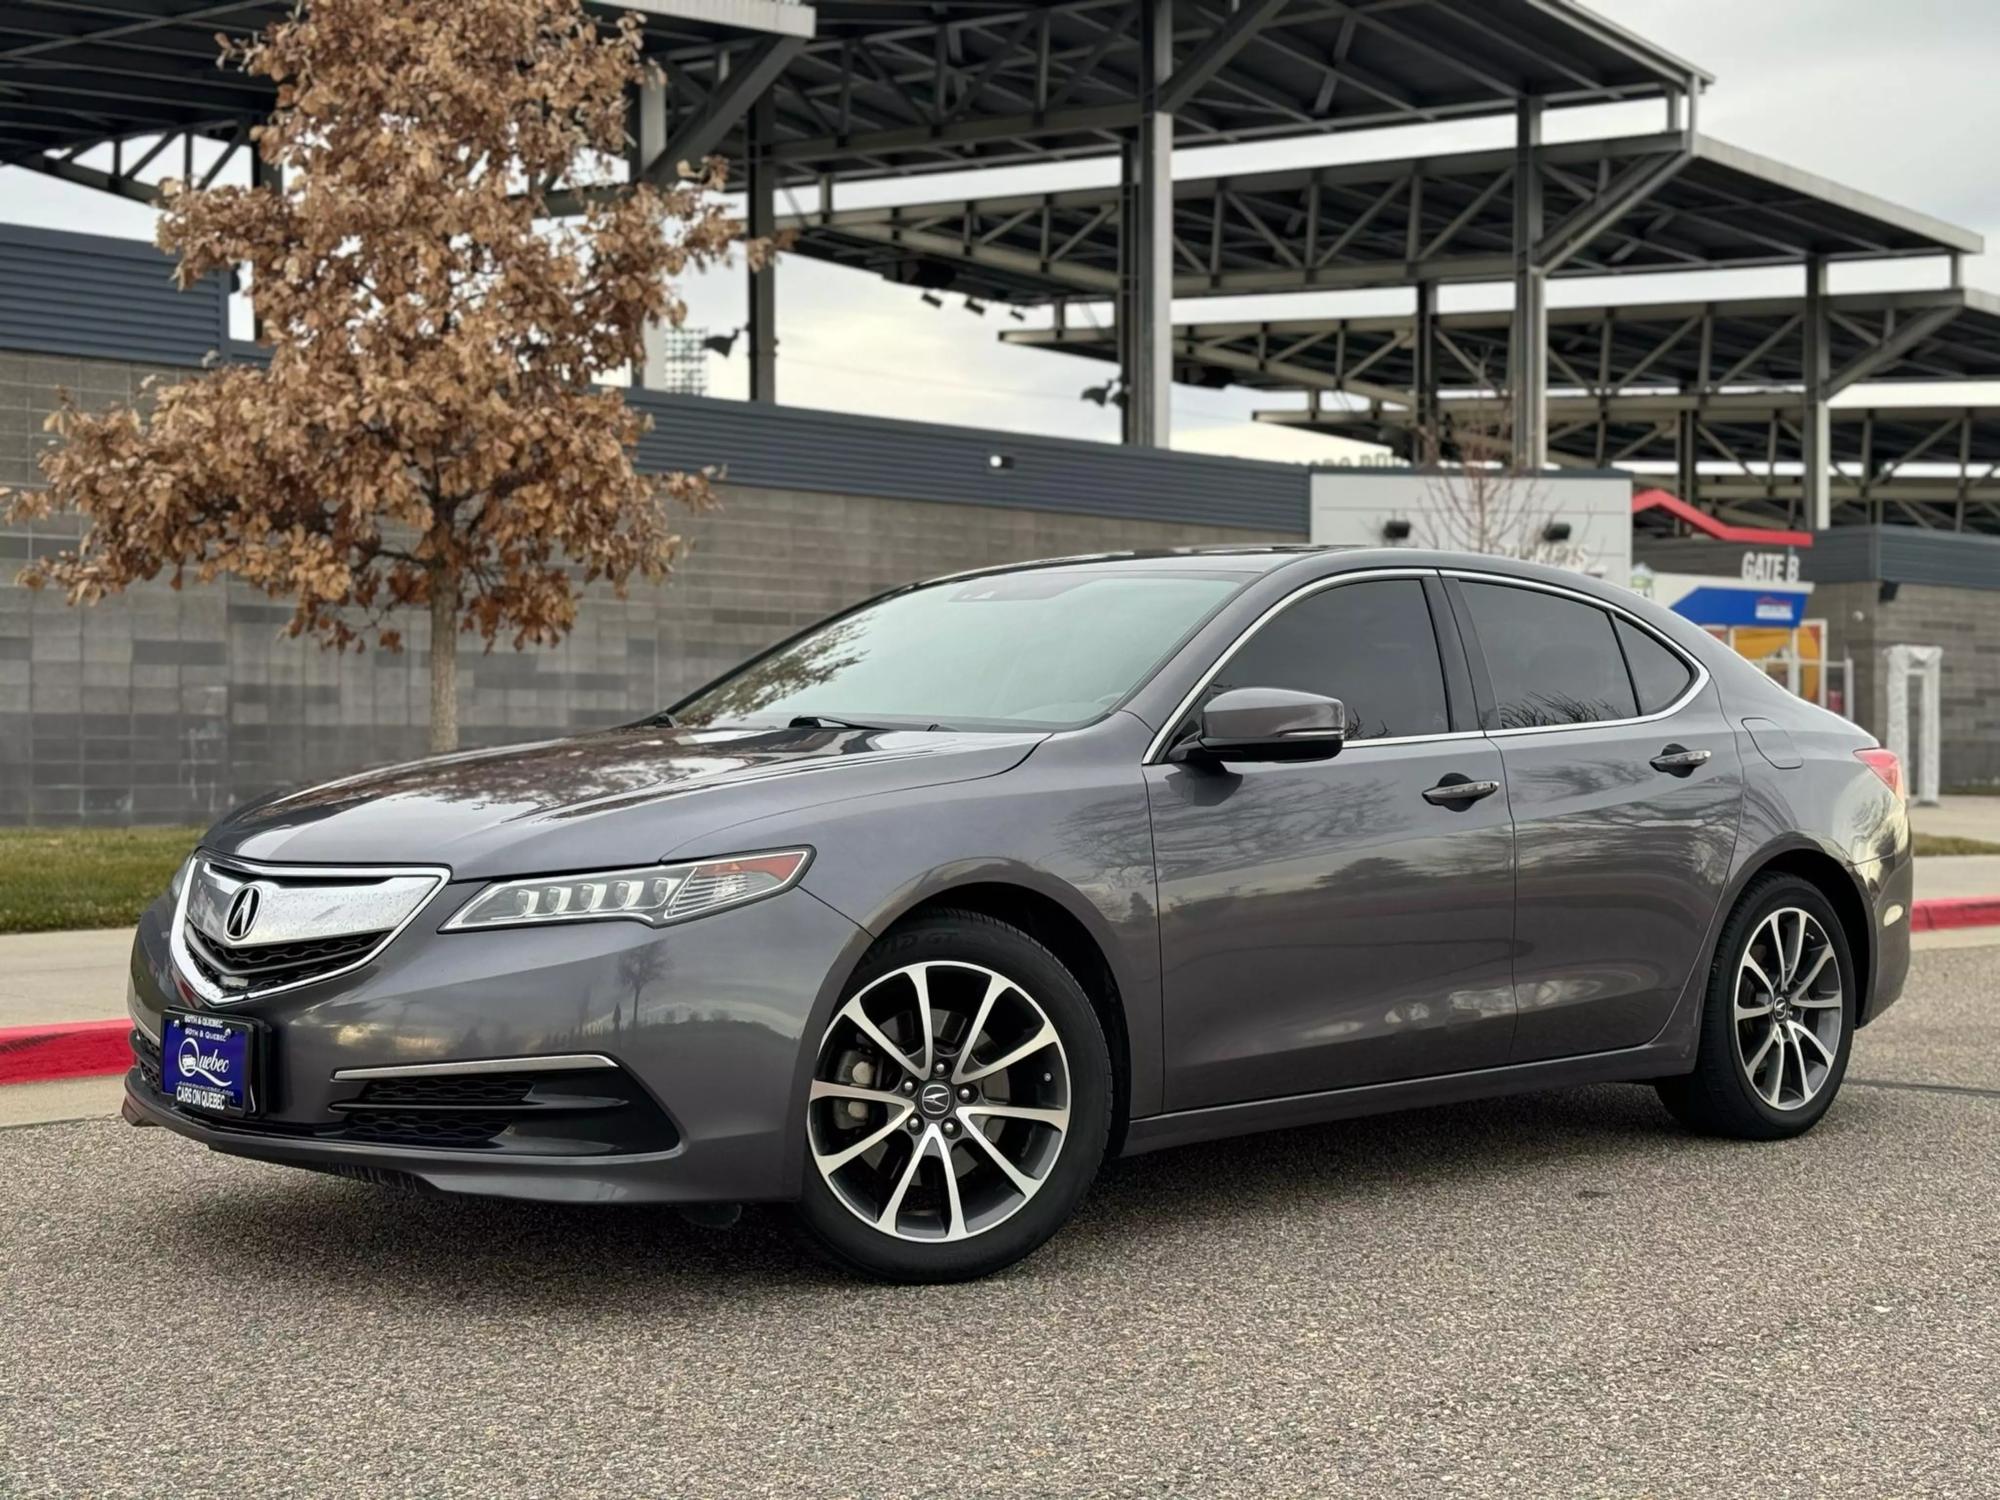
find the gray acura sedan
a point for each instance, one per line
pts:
(916, 918)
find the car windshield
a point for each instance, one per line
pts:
(1045, 648)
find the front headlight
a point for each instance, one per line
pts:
(654, 894)
(180, 879)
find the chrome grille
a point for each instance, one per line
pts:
(238, 970)
(246, 929)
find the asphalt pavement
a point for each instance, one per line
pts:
(1559, 1294)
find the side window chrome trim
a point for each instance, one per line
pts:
(1696, 682)
(1158, 746)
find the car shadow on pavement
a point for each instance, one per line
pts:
(258, 1223)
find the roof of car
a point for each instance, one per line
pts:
(1248, 560)
(1265, 557)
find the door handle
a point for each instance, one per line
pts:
(1449, 791)
(1679, 760)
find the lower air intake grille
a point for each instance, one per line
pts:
(465, 1089)
(403, 1127)
(585, 1112)
(146, 1052)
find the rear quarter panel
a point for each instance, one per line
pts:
(1834, 804)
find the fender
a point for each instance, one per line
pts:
(1138, 986)
(1683, 1025)
(1141, 1006)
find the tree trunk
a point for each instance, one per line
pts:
(444, 661)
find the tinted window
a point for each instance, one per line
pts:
(1658, 674)
(1552, 659)
(1042, 647)
(1368, 644)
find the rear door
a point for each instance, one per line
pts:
(1625, 786)
(1325, 923)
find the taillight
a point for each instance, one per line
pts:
(1884, 764)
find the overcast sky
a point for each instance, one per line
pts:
(1895, 99)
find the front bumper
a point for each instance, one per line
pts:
(704, 1026)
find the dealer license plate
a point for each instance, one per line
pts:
(207, 1063)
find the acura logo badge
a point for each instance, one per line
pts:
(242, 913)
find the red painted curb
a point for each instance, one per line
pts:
(78, 1049)
(1955, 911)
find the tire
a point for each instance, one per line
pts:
(1741, 1087)
(1046, 1113)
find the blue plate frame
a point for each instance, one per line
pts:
(211, 1064)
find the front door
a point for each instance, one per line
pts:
(1625, 785)
(1325, 924)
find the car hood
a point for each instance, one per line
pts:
(621, 796)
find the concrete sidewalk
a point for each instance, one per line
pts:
(1960, 817)
(1953, 877)
(48, 978)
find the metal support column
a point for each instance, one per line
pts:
(649, 138)
(1530, 372)
(1146, 243)
(1816, 490)
(761, 191)
(1687, 453)
(1424, 381)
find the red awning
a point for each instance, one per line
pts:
(1722, 531)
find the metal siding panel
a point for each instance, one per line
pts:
(96, 297)
(1845, 555)
(798, 449)
(1904, 554)
(1953, 559)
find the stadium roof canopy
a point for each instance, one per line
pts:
(1931, 466)
(863, 88)
(1749, 440)
(1627, 204)
(81, 73)
(1652, 357)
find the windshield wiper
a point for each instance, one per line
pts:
(664, 719)
(828, 721)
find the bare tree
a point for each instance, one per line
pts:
(1478, 498)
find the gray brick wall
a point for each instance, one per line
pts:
(171, 706)
(1966, 623)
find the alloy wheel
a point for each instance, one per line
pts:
(940, 1101)
(1787, 1009)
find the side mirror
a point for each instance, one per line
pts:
(1266, 724)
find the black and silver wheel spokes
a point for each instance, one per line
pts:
(939, 1102)
(1787, 1009)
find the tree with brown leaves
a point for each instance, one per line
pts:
(426, 434)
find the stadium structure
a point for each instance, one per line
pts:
(1758, 417)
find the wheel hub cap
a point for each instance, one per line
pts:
(1788, 1009)
(963, 1088)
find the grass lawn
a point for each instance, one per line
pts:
(1945, 843)
(59, 879)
